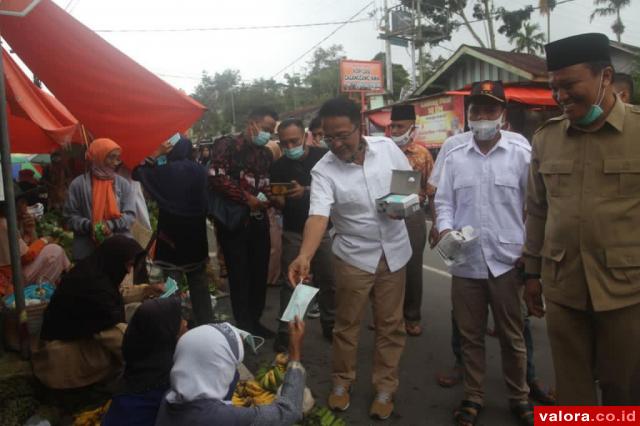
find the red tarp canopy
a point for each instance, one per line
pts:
(538, 96)
(107, 91)
(37, 121)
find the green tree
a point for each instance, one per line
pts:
(323, 74)
(609, 8)
(529, 40)
(430, 66)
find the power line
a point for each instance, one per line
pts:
(323, 40)
(256, 27)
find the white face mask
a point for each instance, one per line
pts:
(405, 138)
(485, 130)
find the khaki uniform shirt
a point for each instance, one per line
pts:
(583, 212)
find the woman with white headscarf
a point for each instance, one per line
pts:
(204, 375)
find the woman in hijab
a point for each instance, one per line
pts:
(83, 326)
(41, 259)
(99, 197)
(204, 159)
(178, 185)
(204, 374)
(148, 347)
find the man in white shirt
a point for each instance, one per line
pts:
(370, 250)
(483, 185)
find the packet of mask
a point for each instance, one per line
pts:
(299, 302)
(452, 246)
(170, 287)
(253, 342)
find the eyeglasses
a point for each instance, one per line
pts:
(342, 138)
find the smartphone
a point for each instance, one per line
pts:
(280, 188)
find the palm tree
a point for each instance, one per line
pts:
(529, 39)
(546, 7)
(609, 8)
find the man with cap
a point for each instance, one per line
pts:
(583, 228)
(483, 185)
(403, 131)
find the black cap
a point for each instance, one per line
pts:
(578, 49)
(488, 89)
(403, 112)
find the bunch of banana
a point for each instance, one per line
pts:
(272, 379)
(282, 360)
(250, 393)
(322, 416)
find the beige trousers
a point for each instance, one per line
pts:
(503, 294)
(385, 289)
(589, 345)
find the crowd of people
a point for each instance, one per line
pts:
(557, 216)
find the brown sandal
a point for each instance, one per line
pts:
(467, 413)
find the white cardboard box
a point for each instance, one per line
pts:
(403, 199)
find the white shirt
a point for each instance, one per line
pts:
(448, 145)
(488, 193)
(346, 192)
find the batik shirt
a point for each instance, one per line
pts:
(421, 161)
(238, 166)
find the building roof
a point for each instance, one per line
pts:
(524, 66)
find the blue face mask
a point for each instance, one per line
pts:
(595, 111)
(261, 138)
(294, 153)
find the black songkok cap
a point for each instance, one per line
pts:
(488, 89)
(403, 112)
(578, 49)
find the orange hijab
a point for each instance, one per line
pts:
(104, 203)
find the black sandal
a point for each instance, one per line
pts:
(467, 413)
(523, 410)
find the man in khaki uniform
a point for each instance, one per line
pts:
(583, 228)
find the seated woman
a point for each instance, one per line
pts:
(42, 261)
(204, 372)
(147, 348)
(83, 326)
(99, 197)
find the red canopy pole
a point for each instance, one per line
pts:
(12, 223)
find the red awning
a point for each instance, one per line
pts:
(37, 121)
(539, 96)
(107, 91)
(380, 118)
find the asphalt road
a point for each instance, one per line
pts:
(419, 401)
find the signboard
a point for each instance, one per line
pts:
(17, 7)
(439, 118)
(361, 76)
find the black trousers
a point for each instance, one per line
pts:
(246, 254)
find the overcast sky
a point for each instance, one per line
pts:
(180, 57)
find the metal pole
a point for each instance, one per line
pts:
(412, 46)
(387, 49)
(12, 223)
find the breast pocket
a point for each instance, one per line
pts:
(464, 189)
(557, 177)
(350, 202)
(507, 187)
(622, 176)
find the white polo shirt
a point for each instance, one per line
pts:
(346, 192)
(488, 193)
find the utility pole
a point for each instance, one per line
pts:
(412, 46)
(233, 112)
(387, 47)
(418, 36)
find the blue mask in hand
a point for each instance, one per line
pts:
(262, 138)
(294, 153)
